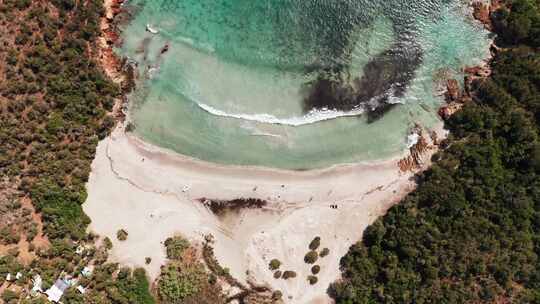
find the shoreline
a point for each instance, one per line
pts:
(141, 153)
(147, 148)
(120, 66)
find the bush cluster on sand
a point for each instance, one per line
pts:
(311, 257)
(184, 279)
(324, 252)
(315, 243)
(274, 264)
(288, 274)
(277, 295)
(175, 247)
(107, 243)
(121, 235)
(312, 279)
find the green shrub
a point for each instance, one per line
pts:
(312, 279)
(121, 235)
(324, 252)
(315, 269)
(311, 257)
(274, 264)
(277, 295)
(315, 243)
(175, 247)
(61, 210)
(134, 287)
(32, 231)
(520, 24)
(177, 283)
(288, 274)
(9, 236)
(10, 297)
(277, 274)
(107, 243)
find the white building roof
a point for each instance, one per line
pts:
(57, 290)
(37, 281)
(87, 271)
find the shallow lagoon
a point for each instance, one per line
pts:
(231, 88)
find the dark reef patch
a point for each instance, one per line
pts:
(387, 75)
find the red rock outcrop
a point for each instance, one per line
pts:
(453, 92)
(483, 10)
(109, 37)
(482, 13)
(112, 65)
(416, 158)
(446, 111)
(478, 71)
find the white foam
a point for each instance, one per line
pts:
(189, 42)
(412, 140)
(310, 118)
(152, 30)
(265, 134)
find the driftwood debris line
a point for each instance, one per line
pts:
(221, 207)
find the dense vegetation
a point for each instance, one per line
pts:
(54, 105)
(184, 279)
(470, 233)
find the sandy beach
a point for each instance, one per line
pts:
(153, 194)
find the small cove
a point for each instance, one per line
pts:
(232, 87)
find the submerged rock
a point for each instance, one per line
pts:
(384, 77)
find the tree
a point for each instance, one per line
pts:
(312, 279)
(175, 247)
(274, 264)
(10, 297)
(324, 252)
(311, 257)
(288, 274)
(178, 283)
(315, 243)
(121, 235)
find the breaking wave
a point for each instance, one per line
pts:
(312, 117)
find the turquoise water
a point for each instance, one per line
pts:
(232, 88)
